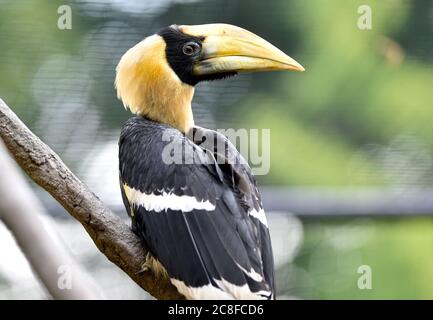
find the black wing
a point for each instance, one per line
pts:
(198, 219)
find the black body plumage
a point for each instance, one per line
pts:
(202, 248)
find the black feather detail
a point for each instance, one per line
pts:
(183, 64)
(198, 247)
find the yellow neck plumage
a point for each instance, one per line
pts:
(149, 87)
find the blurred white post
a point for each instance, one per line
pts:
(25, 217)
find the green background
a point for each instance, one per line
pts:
(361, 115)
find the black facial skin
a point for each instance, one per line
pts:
(182, 51)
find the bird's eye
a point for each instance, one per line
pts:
(191, 48)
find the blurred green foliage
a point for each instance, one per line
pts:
(361, 87)
(398, 252)
(360, 115)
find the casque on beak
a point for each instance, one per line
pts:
(227, 48)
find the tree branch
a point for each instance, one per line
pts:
(112, 237)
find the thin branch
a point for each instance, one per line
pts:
(112, 237)
(25, 217)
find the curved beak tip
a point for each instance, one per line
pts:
(293, 65)
(298, 68)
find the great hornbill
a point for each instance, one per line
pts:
(202, 222)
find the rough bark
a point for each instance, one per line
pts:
(112, 237)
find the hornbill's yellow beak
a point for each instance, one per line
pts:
(227, 48)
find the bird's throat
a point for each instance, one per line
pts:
(174, 109)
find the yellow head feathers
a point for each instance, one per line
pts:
(149, 87)
(155, 78)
